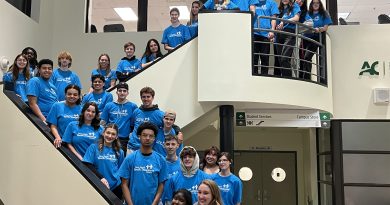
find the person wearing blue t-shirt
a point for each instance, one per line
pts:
(152, 52)
(105, 157)
(64, 112)
(104, 69)
(171, 145)
(167, 129)
(220, 5)
(229, 184)
(192, 24)
(62, 76)
(120, 113)
(32, 56)
(263, 38)
(244, 5)
(18, 75)
(147, 112)
(321, 22)
(288, 10)
(189, 177)
(176, 34)
(129, 64)
(79, 135)
(144, 172)
(98, 95)
(41, 93)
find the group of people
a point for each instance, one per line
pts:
(137, 152)
(297, 11)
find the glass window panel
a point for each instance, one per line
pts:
(367, 195)
(324, 140)
(158, 13)
(325, 166)
(101, 13)
(366, 168)
(366, 136)
(325, 194)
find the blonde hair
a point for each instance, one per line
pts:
(215, 193)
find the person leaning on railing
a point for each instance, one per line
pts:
(220, 5)
(262, 38)
(285, 43)
(321, 20)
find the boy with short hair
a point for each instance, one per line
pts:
(143, 172)
(120, 113)
(128, 64)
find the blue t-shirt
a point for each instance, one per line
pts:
(44, 91)
(159, 143)
(173, 36)
(126, 65)
(148, 58)
(179, 181)
(265, 8)
(61, 79)
(230, 187)
(120, 114)
(107, 163)
(144, 174)
(81, 137)
(243, 5)
(286, 15)
(61, 115)
(193, 28)
(319, 21)
(107, 78)
(173, 168)
(210, 5)
(140, 116)
(100, 99)
(20, 84)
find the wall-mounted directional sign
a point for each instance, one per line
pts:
(279, 118)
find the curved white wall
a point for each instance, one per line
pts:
(225, 74)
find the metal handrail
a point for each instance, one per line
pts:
(319, 55)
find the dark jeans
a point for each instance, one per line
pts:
(118, 192)
(284, 49)
(305, 67)
(262, 48)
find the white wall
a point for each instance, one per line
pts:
(351, 46)
(32, 170)
(225, 74)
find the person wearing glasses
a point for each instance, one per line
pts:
(229, 184)
(143, 172)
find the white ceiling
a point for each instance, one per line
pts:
(364, 11)
(102, 12)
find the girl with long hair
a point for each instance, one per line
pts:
(208, 193)
(321, 22)
(209, 163)
(152, 52)
(192, 24)
(105, 157)
(64, 112)
(18, 74)
(79, 135)
(104, 69)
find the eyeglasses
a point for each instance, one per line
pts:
(22, 60)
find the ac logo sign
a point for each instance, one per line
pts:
(375, 69)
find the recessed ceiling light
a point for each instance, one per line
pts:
(184, 12)
(126, 14)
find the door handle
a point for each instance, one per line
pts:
(265, 195)
(259, 195)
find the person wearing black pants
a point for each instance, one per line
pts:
(261, 50)
(310, 49)
(284, 49)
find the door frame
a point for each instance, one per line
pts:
(272, 151)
